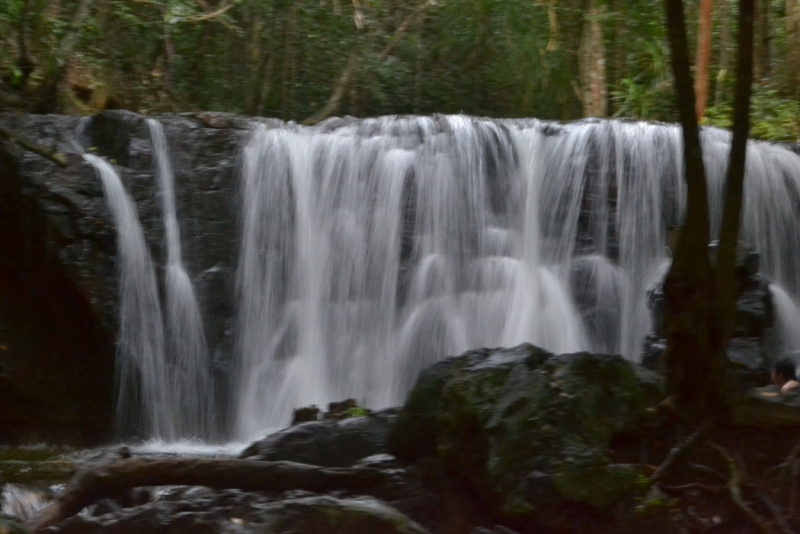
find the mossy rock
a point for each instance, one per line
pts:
(526, 428)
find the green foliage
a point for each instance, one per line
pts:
(357, 411)
(282, 58)
(772, 116)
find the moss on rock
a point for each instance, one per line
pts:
(526, 428)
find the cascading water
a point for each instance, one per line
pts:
(190, 390)
(162, 394)
(372, 248)
(142, 387)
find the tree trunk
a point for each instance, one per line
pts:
(703, 57)
(793, 46)
(700, 305)
(761, 67)
(688, 291)
(725, 270)
(47, 95)
(593, 66)
(113, 480)
(724, 12)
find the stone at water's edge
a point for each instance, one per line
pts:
(328, 443)
(10, 525)
(58, 279)
(528, 430)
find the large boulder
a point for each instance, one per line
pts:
(529, 431)
(329, 443)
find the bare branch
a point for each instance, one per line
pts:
(348, 74)
(678, 452)
(735, 489)
(56, 157)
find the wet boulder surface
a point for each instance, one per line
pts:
(328, 443)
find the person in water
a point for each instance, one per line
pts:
(784, 375)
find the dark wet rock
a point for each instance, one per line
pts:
(305, 415)
(652, 351)
(529, 431)
(58, 278)
(105, 506)
(329, 443)
(294, 514)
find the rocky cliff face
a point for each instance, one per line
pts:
(58, 291)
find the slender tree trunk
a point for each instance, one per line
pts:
(724, 12)
(47, 97)
(725, 270)
(703, 58)
(761, 67)
(266, 85)
(287, 65)
(593, 66)
(418, 74)
(688, 290)
(617, 55)
(793, 45)
(24, 62)
(254, 61)
(700, 304)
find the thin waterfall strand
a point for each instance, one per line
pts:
(190, 394)
(142, 388)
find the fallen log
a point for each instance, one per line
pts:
(113, 479)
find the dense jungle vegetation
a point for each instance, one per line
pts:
(304, 60)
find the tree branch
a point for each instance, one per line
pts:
(56, 157)
(353, 63)
(338, 92)
(677, 453)
(735, 489)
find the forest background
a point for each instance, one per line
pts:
(304, 60)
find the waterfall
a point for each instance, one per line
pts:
(142, 388)
(372, 248)
(163, 377)
(190, 389)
